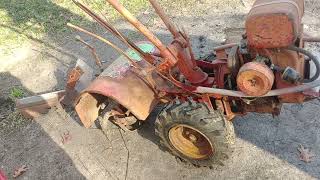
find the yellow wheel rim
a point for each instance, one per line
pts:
(190, 142)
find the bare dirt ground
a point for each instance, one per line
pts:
(266, 147)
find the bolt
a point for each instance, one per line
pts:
(243, 45)
(244, 36)
(253, 82)
(193, 138)
(196, 68)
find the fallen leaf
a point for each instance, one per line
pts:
(2, 175)
(305, 154)
(146, 12)
(66, 137)
(20, 171)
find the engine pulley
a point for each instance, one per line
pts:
(255, 79)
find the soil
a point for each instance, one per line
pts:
(55, 146)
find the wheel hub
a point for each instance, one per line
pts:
(190, 142)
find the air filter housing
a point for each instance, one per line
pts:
(274, 23)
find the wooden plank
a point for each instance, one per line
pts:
(34, 106)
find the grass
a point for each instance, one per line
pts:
(22, 20)
(10, 120)
(16, 93)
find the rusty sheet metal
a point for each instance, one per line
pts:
(283, 59)
(274, 23)
(298, 97)
(78, 79)
(193, 73)
(130, 91)
(74, 76)
(113, 83)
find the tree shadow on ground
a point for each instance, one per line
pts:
(40, 16)
(25, 142)
(44, 23)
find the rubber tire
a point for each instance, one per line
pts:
(211, 123)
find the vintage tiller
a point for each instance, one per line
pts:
(200, 97)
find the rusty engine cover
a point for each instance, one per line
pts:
(274, 23)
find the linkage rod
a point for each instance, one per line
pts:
(114, 31)
(144, 30)
(171, 27)
(92, 50)
(105, 41)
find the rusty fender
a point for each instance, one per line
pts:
(130, 91)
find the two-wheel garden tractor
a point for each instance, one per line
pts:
(200, 97)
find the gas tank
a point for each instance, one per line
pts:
(274, 23)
